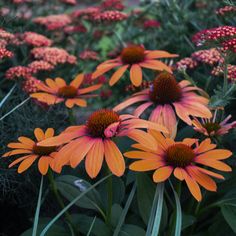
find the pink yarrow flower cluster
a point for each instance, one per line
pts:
(89, 55)
(30, 85)
(18, 72)
(54, 22)
(53, 55)
(186, 63)
(36, 40)
(110, 16)
(230, 45)
(40, 65)
(113, 5)
(4, 53)
(71, 2)
(231, 71)
(225, 10)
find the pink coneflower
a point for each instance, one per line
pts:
(213, 127)
(110, 16)
(30, 85)
(4, 53)
(186, 63)
(225, 10)
(54, 22)
(151, 24)
(214, 34)
(209, 56)
(40, 65)
(168, 97)
(89, 55)
(53, 55)
(93, 140)
(36, 40)
(18, 72)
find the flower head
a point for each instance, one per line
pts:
(110, 16)
(151, 24)
(226, 10)
(94, 141)
(219, 71)
(89, 55)
(186, 63)
(18, 72)
(4, 53)
(36, 40)
(112, 5)
(168, 97)
(32, 151)
(57, 91)
(30, 85)
(183, 160)
(230, 45)
(213, 127)
(134, 57)
(40, 65)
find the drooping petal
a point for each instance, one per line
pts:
(26, 141)
(136, 75)
(114, 158)
(156, 115)
(69, 103)
(102, 70)
(140, 109)
(25, 164)
(146, 165)
(182, 113)
(162, 174)
(169, 120)
(208, 172)
(43, 164)
(94, 159)
(18, 145)
(118, 74)
(18, 160)
(179, 173)
(16, 152)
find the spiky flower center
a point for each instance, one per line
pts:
(211, 127)
(43, 151)
(100, 120)
(179, 155)
(67, 91)
(133, 54)
(165, 89)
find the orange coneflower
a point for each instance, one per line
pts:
(56, 91)
(94, 140)
(168, 97)
(32, 151)
(212, 127)
(135, 57)
(183, 160)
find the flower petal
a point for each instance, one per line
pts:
(77, 81)
(136, 75)
(49, 133)
(16, 152)
(25, 164)
(118, 74)
(162, 174)
(146, 165)
(43, 164)
(39, 134)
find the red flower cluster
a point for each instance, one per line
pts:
(230, 45)
(4, 53)
(224, 10)
(30, 85)
(21, 1)
(106, 93)
(89, 55)
(150, 24)
(219, 71)
(53, 22)
(75, 29)
(71, 2)
(6, 35)
(40, 65)
(86, 13)
(36, 40)
(209, 56)
(18, 72)
(186, 63)
(53, 55)
(113, 5)
(89, 81)
(110, 16)
(214, 34)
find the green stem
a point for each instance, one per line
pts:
(71, 116)
(60, 201)
(109, 195)
(178, 188)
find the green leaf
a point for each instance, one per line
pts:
(131, 230)
(187, 221)
(229, 213)
(116, 211)
(71, 186)
(145, 195)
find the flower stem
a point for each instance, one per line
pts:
(60, 201)
(71, 116)
(109, 196)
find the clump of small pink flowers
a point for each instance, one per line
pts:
(110, 16)
(86, 13)
(30, 85)
(214, 34)
(213, 127)
(151, 24)
(74, 29)
(36, 40)
(71, 2)
(230, 45)
(53, 55)
(225, 10)
(112, 5)
(40, 65)
(231, 71)
(209, 56)
(53, 22)
(6, 35)
(18, 72)
(4, 53)
(89, 55)
(186, 63)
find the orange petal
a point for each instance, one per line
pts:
(27, 141)
(218, 154)
(215, 164)
(204, 146)
(49, 133)
(69, 103)
(18, 145)
(104, 69)
(114, 158)
(118, 74)
(161, 140)
(141, 155)
(208, 172)
(77, 81)
(39, 134)
(162, 174)
(159, 54)
(155, 65)
(193, 187)
(179, 173)
(136, 75)
(19, 160)
(90, 89)
(43, 164)
(25, 164)
(80, 102)
(60, 82)
(204, 180)
(51, 83)
(94, 159)
(189, 141)
(17, 151)
(146, 165)
(47, 98)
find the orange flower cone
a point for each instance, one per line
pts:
(183, 160)
(94, 141)
(134, 57)
(32, 151)
(57, 91)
